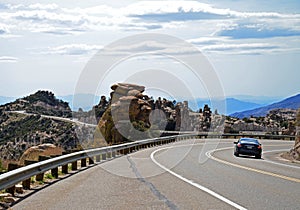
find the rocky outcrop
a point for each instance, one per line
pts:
(183, 121)
(277, 122)
(295, 151)
(127, 116)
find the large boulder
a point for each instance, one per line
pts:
(34, 152)
(128, 107)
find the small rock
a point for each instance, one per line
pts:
(19, 188)
(9, 199)
(3, 195)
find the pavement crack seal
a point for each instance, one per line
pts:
(153, 189)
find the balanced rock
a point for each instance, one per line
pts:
(128, 106)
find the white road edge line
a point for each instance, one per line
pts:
(212, 193)
(281, 164)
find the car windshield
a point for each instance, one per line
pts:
(249, 141)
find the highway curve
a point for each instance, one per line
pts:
(175, 176)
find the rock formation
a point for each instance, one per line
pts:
(127, 116)
(183, 122)
(295, 151)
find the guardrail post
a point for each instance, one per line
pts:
(83, 162)
(26, 183)
(103, 156)
(108, 155)
(12, 166)
(91, 160)
(113, 154)
(98, 159)
(64, 168)
(40, 177)
(54, 171)
(74, 166)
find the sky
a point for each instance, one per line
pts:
(252, 47)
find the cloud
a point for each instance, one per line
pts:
(141, 15)
(191, 10)
(216, 45)
(221, 26)
(207, 40)
(242, 49)
(4, 29)
(245, 31)
(152, 47)
(32, 6)
(8, 59)
(226, 45)
(179, 16)
(73, 49)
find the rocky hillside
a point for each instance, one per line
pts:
(19, 132)
(41, 102)
(25, 123)
(277, 121)
(289, 103)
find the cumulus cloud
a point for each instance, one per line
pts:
(73, 49)
(141, 15)
(8, 59)
(226, 24)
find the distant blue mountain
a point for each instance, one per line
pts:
(232, 105)
(237, 106)
(263, 100)
(87, 101)
(5, 100)
(84, 101)
(288, 103)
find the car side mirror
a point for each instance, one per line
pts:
(235, 142)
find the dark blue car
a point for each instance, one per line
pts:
(248, 146)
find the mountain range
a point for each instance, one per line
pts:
(232, 105)
(237, 106)
(288, 103)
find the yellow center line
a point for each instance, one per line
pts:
(254, 170)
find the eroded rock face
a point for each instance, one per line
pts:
(128, 107)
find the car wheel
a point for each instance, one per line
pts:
(258, 156)
(236, 154)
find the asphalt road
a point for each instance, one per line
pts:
(194, 174)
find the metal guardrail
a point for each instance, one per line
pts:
(16, 176)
